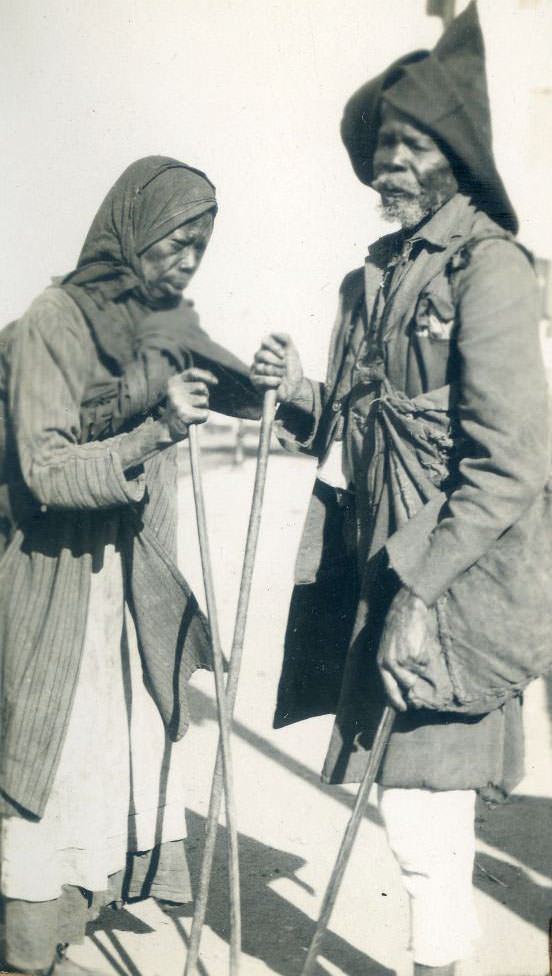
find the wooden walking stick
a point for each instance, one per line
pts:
(376, 755)
(269, 406)
(223, 718)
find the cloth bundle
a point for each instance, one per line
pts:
(490, 633)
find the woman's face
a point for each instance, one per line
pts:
(168, 265)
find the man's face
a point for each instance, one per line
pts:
(169, 264)
(413, 177)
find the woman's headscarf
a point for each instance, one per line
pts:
(153, 197)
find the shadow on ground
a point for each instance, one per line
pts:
(278, 933)
(274, 930)
(522, 828)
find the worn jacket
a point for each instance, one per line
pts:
(441, 324)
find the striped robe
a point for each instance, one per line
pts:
(70, 495)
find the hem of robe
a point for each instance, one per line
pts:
(435, 751)
(35, 928)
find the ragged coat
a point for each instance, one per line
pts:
(444, 325)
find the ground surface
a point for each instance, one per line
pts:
(290, 824)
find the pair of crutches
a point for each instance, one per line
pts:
(223, 776)
(226, 696)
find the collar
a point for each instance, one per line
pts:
(452, 221)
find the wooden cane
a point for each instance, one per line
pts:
(269, 406)
(376, 755)
(222, 711)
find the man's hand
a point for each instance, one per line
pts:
(276, 366)
(402, 651)
(187, 401)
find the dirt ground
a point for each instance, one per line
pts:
(290, 824)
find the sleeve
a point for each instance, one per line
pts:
(297, 423)
(503, 416)
(108, 406)
(49, 369)
(300, 425)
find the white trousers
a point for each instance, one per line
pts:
(432, 836)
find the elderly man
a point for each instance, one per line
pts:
(421, 578)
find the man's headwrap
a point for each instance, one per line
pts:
(444, 92)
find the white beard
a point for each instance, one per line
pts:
(408, 211)
(410, 206)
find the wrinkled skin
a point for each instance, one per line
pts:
(187, 401)
(168, 266)
(277, 366)
(412, 175)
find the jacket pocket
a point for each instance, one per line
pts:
(431, 333)
(434, 315)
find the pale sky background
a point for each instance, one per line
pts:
(252, 92)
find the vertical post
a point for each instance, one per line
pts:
(445, 9)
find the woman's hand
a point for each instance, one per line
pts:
(277, 366)
(187, 401)
(402, 653)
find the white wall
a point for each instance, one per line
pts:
(251, 91)
(518, 35)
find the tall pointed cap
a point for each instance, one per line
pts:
(444, 92)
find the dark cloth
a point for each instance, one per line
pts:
(168, 342)
(455, 322)
(33, 930)
(322, 612)
(234, 395)
(444, 92)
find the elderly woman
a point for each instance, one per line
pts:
(92, 798)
